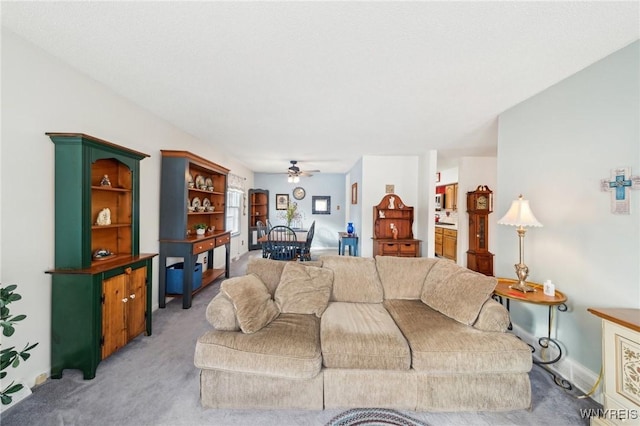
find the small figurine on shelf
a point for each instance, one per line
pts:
(394, 231)
(392, 201)
(104, 217)
(105, 181)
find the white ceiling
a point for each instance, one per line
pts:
(327, 82)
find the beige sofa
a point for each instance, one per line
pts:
(405, 333)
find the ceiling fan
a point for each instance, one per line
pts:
(294, 172)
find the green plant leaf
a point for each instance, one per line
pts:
(18, 318)
(10, 288)
(6, 400)
(30, 347)
(13, 389)
(7, 329)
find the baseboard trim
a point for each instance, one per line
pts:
(577, 374)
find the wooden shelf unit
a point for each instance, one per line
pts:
(98, 304)
(385, 220)
(178, 236)
(258, 211)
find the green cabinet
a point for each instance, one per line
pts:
(101, 283)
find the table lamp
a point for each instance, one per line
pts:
(520, 215)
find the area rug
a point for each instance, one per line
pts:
(373, 417)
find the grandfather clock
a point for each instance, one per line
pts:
(479, 206)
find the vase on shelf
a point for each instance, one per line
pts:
(350, 228)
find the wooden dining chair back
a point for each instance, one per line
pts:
(282, 243)
(305, 250)
(262, 233)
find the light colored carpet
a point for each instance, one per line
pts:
(152, 381)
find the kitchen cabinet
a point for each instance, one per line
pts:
(193, 191)
(439, 237)
(451, 197)
(450, 244)
(98, 267)
(393, 228)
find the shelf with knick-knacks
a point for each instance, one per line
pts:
(193, 194)
(392, 228)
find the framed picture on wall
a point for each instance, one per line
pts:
(282, 201)
(354, 193)
(320, 204)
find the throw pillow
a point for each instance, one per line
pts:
(252, 302)
(304, 289)
(221, 314)
(458, 295)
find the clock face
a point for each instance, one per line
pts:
(481, 203)
(299, 193)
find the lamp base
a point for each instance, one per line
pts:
(522, 271)
(521, 286)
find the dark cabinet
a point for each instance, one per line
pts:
(193, 194)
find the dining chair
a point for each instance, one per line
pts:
(262, 232)
(305, 250)
(282, 243)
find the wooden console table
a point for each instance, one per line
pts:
(620, 361)
(537, 297)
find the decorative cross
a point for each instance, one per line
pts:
(619, 184)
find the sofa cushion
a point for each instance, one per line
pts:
(457, 292)
(355, 279)
(441, 345)
(287, 347)
(403, 277)
(221, 314)
(362, 335)
(304, 289)
(270, 270)
(252, 302)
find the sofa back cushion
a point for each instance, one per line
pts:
(270, 271)
(355, 279)
(304, 289)
(457, 292)
(403, 277)
(253, 304)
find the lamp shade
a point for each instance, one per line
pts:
(519, 214)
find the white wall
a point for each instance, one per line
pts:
(554, 148)
(40, 94)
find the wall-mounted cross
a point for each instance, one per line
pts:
(619, 185)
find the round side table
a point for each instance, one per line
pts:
(503, 291)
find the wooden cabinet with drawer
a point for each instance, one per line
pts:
(404, 248)
(393, 228)
(193, 193)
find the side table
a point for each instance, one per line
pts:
(503, 291)
(347, 240)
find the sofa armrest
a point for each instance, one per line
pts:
(493, 317)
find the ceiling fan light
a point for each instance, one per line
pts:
(290, 179)
(296, 179)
